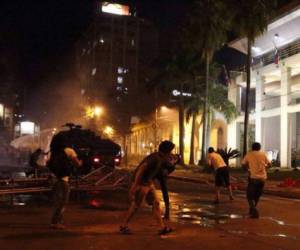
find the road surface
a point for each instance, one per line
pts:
(198, 223)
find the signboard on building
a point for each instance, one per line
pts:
(114, 8)
(26, 128)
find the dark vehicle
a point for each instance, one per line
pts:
(93, 150)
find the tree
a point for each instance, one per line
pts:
(207, 31)
(217, 102)
(178, 75)
(251, 20)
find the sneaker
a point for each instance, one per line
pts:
(125, 230)
(254, 214)
(165, 230)
(57, 226)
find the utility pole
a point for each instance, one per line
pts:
(155, 120)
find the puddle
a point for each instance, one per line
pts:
(280, 222)
(204, 215)
(286, 236)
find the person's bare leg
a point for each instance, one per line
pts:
(217, 199)
(130, 213)
(230, 192)
(157, 214)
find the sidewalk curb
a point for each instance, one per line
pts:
(281, 193)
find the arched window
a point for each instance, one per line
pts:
(220, 140)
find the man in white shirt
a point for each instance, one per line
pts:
(256, 162)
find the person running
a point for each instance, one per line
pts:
(222, 177)
(143, 188)
(61, 163)
(256, 162)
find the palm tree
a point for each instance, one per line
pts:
(209, 23)
(217, 102)
(178, 75)
(251, 20)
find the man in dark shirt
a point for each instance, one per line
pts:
(143, 186)
(162, 177)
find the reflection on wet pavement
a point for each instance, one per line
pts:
(240, 232)
(280, 222)
(205, 214)
(199, 212)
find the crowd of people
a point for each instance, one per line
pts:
(156, 167)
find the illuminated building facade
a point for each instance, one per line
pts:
(275, 84)
(141, 141)
(113, 58)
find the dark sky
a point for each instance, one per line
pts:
(37, 34)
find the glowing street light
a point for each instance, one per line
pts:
(98, 111)
(93, 112)
(108, 130)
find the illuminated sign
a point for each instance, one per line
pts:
(1, 111)
(27, 128)
(114, 8)
(175, 92)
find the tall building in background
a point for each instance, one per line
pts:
(114, 59)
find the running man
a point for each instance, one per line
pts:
(256, 162)
(222, 177)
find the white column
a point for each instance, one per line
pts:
(284, 102)
(259, 95)
(233, 133)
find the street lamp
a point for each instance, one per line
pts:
(93, 112)
(163, 109)
(98, 111)
(109, 131)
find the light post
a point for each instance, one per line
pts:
(155, 129)
(163, 109)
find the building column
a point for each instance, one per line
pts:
(233, 129)
(285, 88)
(259, 95)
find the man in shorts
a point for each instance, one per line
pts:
(143, 188)
(256, 162)
(222, 177)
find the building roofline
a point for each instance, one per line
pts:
(283, 11)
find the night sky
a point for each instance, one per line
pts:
(36, 36)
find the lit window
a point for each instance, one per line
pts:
(132, 42)
(94, 70)
(120, 79)
(120, 70)
(101, 40)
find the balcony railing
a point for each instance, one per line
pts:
(284, 52)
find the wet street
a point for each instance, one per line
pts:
(279, 221)
(198, 224)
